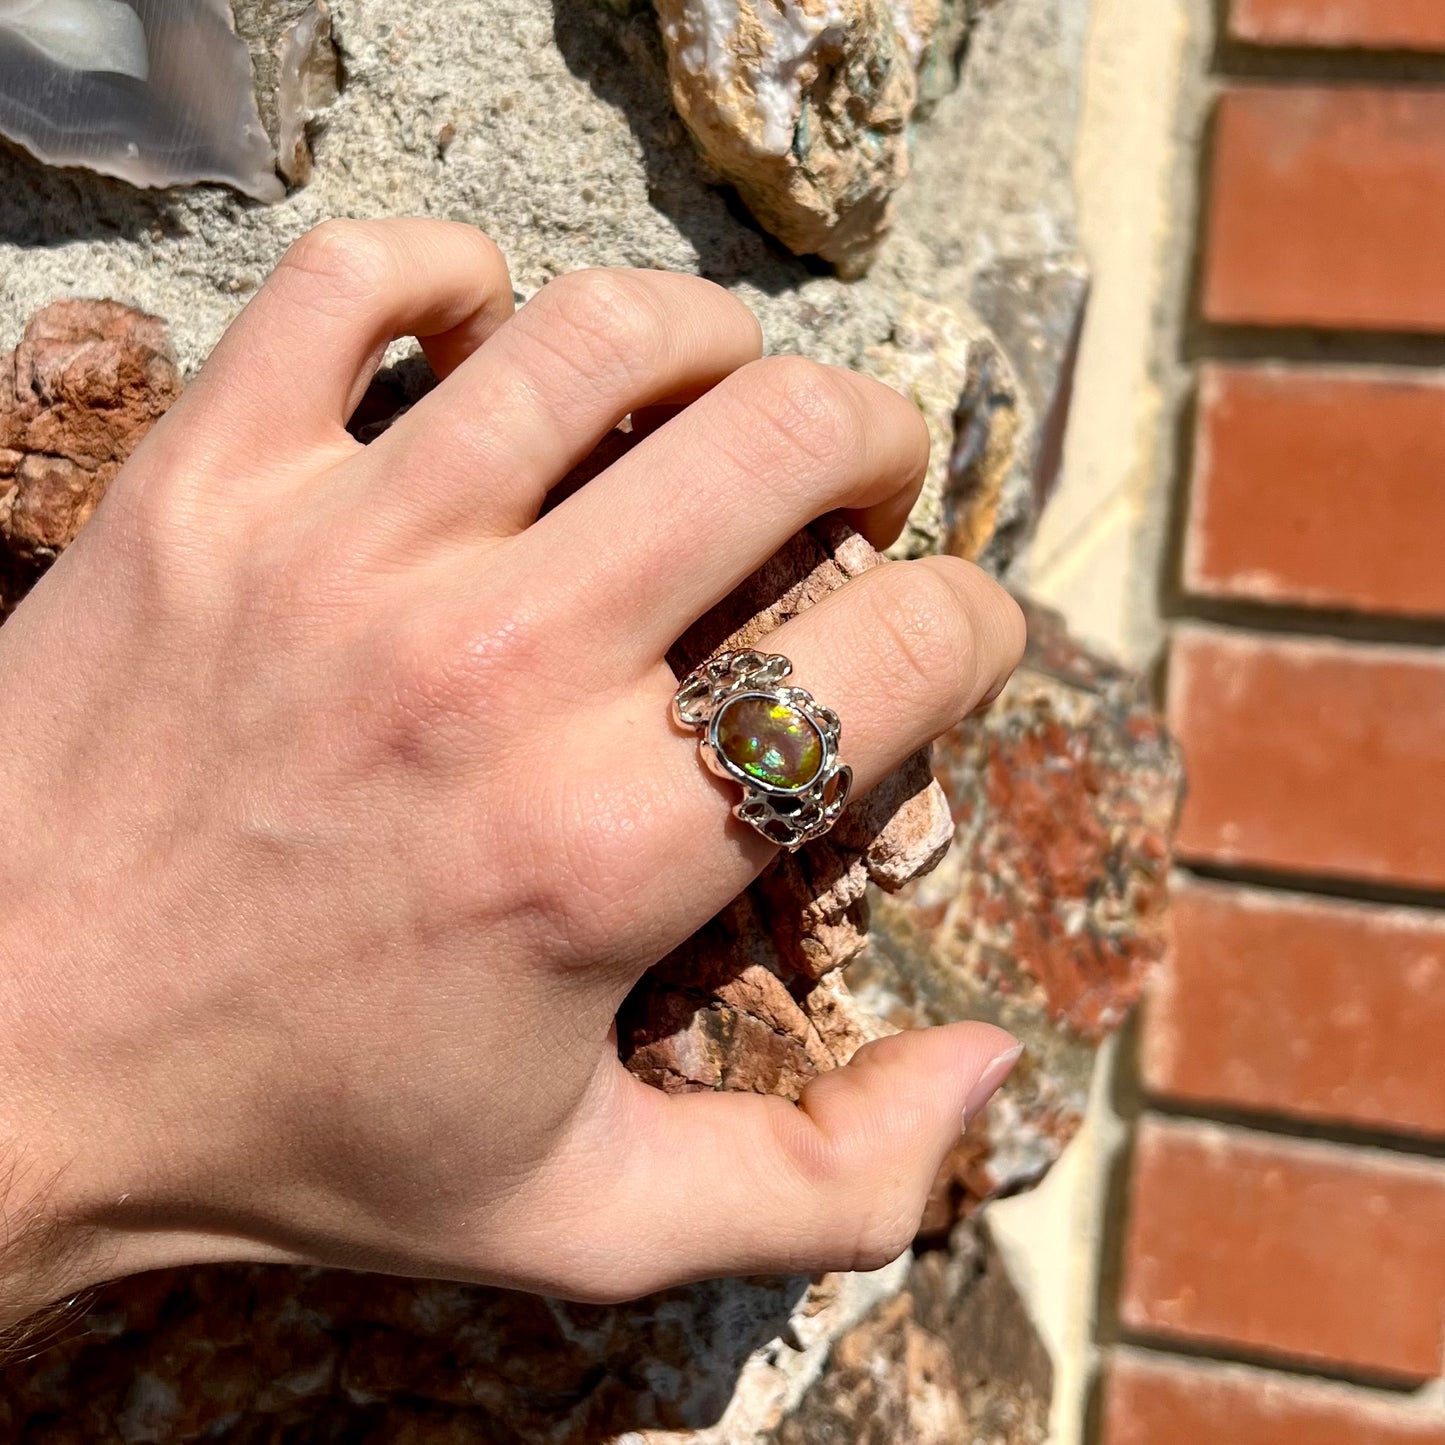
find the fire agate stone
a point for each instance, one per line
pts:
(770, 741)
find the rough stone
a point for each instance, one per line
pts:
(952, 1358)
(270, 28)
(308, 80)
(442, 113)
(1050, 909)
(114, 88)
(956, 375)
(981, 456)
(83, 387)
(803, 108)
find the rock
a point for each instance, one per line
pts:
(249, 1353)
(1035, 305)
(888, 1379)
(100, 84)
(308, 80)
(1050, 909)
(1016, 266)
(981, 458)
(85, 384)
(269, 28)
(952, 370)
(803, 107)
(952, 1358)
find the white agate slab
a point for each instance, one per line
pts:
(154, 92)
(98, 35)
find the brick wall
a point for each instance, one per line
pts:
(1281, 1276)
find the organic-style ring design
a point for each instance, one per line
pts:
(778, 742)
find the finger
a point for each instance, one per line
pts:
(586, 351)
(837, 1182)
(701, 503)
(901, 654)
(297, 360)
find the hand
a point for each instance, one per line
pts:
(342, 805)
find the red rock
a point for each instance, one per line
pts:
(77, 395)
(919, 1368)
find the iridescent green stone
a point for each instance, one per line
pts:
(770, 741)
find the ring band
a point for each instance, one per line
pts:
(778, 742)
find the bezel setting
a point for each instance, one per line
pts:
(787, 816)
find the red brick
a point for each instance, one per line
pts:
(1334, 1012)
(1340, 24)
(1161, 1401)
(1327, 209)
(1310, 1252)
(1319, 489)
(1311, 757)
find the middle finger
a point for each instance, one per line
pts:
(481, 452)
(700, 504)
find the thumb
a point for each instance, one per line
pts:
(729, 1184)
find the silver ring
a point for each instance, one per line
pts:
(778, 742)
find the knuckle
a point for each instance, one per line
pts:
(883, 1233)
(925, 627)
(592, 900)
(875, 1210)
(348, 258)
(178, 558)
(448, 671)
(816, 410)
(607, 319)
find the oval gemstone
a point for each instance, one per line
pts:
(770, 741)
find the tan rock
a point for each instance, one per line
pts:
(951, 369)
(803, 106)
(308, 79)
(952, 1358)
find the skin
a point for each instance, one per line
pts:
(342, 806)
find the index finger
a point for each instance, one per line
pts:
(300, 356)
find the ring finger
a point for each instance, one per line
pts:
(901, 654)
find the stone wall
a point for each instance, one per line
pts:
(918, 154)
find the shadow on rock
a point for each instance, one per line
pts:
(622, 59)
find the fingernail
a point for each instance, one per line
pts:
(989, 1083)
